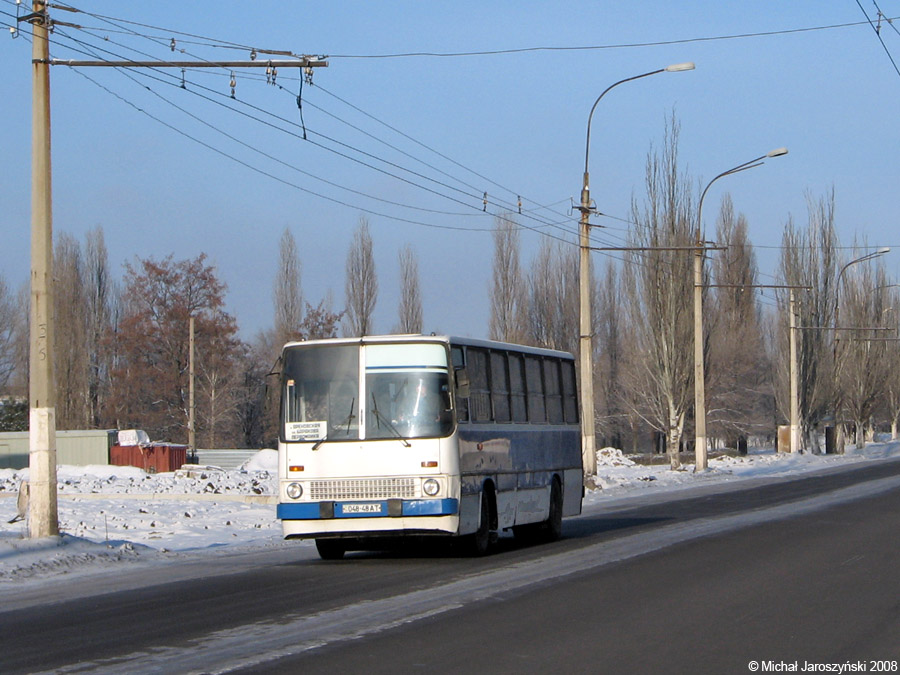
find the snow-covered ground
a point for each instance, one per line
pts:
(110, 514)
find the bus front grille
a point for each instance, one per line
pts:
(362, 488)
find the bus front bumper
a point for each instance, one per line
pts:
(390, 508)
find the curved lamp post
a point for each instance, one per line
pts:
(838, 399)
(699, 370)
(589, 455)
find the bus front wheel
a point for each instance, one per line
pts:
(479, 544)
(330, 549)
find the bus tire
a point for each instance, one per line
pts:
(552, 527)
(479, 544)
(547, 530)
(330, 549)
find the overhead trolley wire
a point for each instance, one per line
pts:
(544, 223)
(878, 35)
(510, 207)
(256, 169)
(626, 45)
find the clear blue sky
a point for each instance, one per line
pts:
(518, 120)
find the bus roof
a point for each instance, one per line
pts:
(444, 339)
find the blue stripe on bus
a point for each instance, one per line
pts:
(411, 507)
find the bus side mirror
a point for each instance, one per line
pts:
(462, 382)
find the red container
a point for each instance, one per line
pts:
(150, 458)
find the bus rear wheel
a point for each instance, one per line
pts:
(330, 549)
(547, 530)
(552, 527)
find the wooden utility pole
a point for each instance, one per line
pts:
(42, 505)
(43, 517)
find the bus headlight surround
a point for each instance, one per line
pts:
(431, 487)
(294, 490)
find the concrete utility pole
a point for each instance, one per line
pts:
(586, 333)
(43, 515)
(795, 396)
(43, 519)
(191, 422)
(700, 454)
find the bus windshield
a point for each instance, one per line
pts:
(321, 394)
(407, 404)
(406, 393)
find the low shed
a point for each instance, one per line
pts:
(79, 448)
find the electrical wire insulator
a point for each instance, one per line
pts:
(520, 204)
(253, 54)
(172, 45)
(484, 203)
(233, 84)
(182, 79)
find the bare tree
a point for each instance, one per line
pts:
(100, 295)
(7, 334)
(508, 292)
(740, 385)
(553, 297)
(361, 286)
(18, 384)
(410, 309)
(809, 259)
(862, 352)
(659, 285)
(611, 335)
(151, 378)
(72, 371)
(288, 293)
(892, 360)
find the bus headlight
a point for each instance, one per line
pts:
(294, 490)
(431, 487)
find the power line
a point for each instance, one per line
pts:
(173, 83)
(269, 174)
(878, 35)
(511, 208)
(627, 45)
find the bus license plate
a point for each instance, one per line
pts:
(360, 508)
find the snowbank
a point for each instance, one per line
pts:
(110, 515)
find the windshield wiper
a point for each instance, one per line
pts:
(350, 418)
(381, 418)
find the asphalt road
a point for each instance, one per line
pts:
(788, 572)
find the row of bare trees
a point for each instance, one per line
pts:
(122, 351)
(643, 322)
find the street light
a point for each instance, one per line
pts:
(699, 371)
(838, 402)
(589, 455)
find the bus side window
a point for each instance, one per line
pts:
(500, 386)
(552, 391)
(517, 388)
(480, 394)
(570, 393)
(535, 386)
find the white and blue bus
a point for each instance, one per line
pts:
(416, 435)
